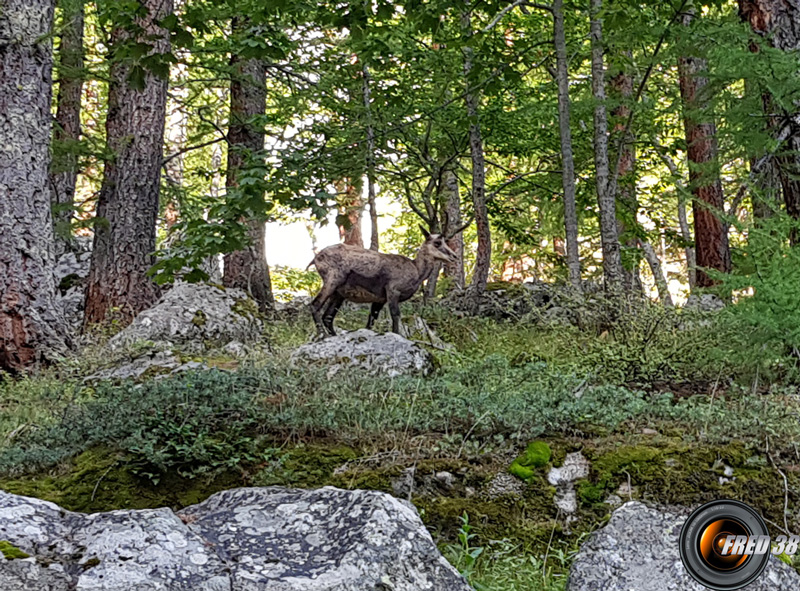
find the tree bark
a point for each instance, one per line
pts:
(710, 232)
(247, 269)
(627, 202)
(778, 21)
(351, 210)
(567, 161)
(127, 208)
(606, 201)
(450, 198)
(483, 255)
(31, 325)
(454, 270)
(67, 129)
(374, 240)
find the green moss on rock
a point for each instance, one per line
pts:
(200, 318)
(537, 455)
(247, 308)
(11, 552)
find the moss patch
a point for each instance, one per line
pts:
(11, 552)
(100, 480)
(247, 308)
(199, 319)
(537, 455)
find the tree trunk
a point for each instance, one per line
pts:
(627, 202)
(686, 234)
(67, 129)
(31, 326)
(247, 269)
(567, 162)
(710, 232)
(658, 274)
(127, 208)
(612, 262)
(351, 210)
(374, 240)
(456, 243)
(449, 196)
(778, 21)
(483, 256)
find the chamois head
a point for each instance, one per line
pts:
(436, 247)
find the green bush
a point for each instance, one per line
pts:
(289, 279)
(764, 324)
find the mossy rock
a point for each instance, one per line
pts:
(11, 552)
(200, 318)
(536, 455)
(68, 282)
(247, 308)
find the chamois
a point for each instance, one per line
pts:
(366, 276)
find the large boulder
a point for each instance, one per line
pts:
(378, 354)
(638, 549)
(197, 313)
(256, 539)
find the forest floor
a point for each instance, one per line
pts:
(663, 409)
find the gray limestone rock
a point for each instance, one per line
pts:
(253, 539)
(327, 539)
(381, 354)
(195, 313)
(638, 549)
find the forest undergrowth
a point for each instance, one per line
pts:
(663, 399)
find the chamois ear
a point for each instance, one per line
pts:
(425, 232)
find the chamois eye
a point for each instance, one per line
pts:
(437, 243)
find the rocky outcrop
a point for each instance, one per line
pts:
(378, 354)
(535, 301)
(256, 539)
(197, 313)
(638, 549)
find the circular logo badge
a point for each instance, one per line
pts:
(725, 545)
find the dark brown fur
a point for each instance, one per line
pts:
(365, 276)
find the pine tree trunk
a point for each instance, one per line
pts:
(247, 268)
(710, 232)
(67, 129)
(483, 255)
(567, 162)
(612, 262)
(778, 21)
(31, 325)
(127, 208)
(627, 202)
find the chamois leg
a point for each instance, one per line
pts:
(374, 312)
(334, 303)
(328, 289)
(394, 310)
